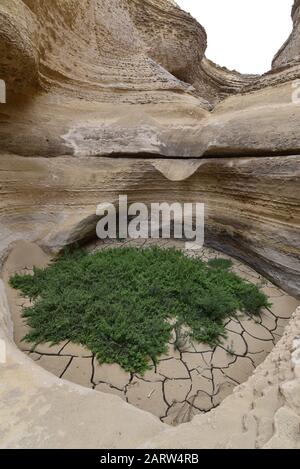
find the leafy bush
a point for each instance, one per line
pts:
(122, 303)
(220, 263)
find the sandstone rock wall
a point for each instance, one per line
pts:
(286, 63)
(252, 207)
(93, 46)
(101, 78)
(289, 54)
(66, 63)
(94, 82)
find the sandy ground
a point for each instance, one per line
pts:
(186, 382)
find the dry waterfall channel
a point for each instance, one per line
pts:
(191, 378)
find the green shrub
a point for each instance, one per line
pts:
(122, 303)
(220, 263)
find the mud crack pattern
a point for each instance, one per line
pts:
(191, 378)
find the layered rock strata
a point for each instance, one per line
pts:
(92, 83)
(252, 207)
(66, 64)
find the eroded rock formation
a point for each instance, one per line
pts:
(101, 78)
(92, 83)
(61, 59)
(289, 54)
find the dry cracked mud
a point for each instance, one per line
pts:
(191, 378)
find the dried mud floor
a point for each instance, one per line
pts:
(185, 382)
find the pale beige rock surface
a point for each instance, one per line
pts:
(130, 78)
(252, 204)
(65, 63)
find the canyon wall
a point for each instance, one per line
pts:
(130, 79)
(289, 54)
(117, 96)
